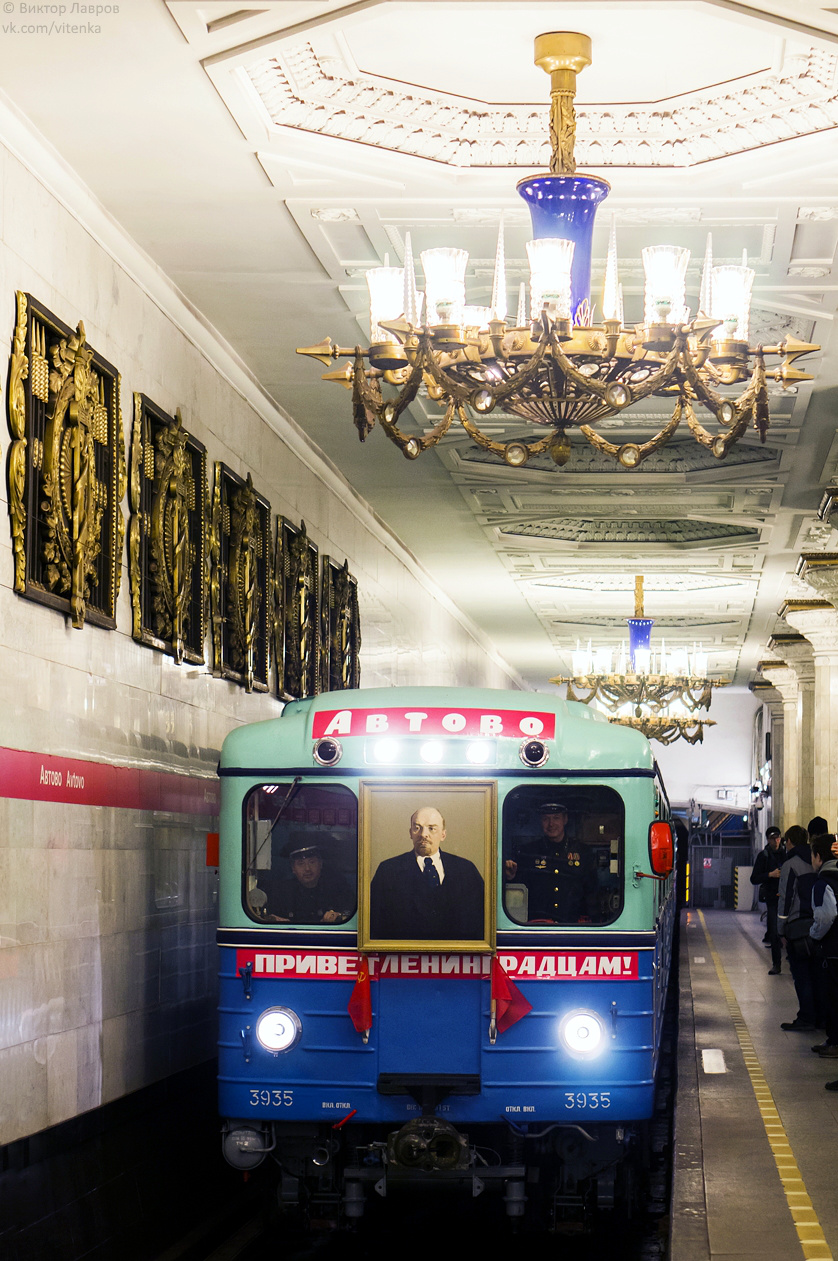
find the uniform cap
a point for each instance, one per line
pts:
(299, 845)
(553, 807)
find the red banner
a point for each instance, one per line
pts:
(433, 722)
(520, 965)
(43, 777)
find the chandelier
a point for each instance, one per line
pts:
(660, 694)
(555, 368)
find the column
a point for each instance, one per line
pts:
(797, 652)
(820, 626)
(773, 702)
(784, 680)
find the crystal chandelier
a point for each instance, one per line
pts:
(660, 694)
(554, 367)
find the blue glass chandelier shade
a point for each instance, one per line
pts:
(640, 634)
(565, 206)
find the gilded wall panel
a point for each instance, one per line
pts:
(66, 468)
(167, 553)
(340, 628)
(240, 582)
(296, 614)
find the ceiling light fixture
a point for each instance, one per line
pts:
(659, 694)
(554, 367)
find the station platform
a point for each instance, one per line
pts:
(756, 1133)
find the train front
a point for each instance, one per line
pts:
(446, 924)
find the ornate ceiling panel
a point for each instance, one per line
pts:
(298, 89)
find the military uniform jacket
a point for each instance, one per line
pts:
(560, 879)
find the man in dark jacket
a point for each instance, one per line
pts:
(824, 932)
(766, 874)
(427, 894)
(794, 915)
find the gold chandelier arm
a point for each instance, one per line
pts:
(501, 391)
(366, 397)
(753, 403)
(573, 695)
(717, 443)
(632, 454)
(538, 447)
(413, 445)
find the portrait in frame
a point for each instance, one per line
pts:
(426, 867)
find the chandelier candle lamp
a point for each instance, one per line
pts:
(555, 368)
(660, 693)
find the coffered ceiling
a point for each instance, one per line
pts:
(265, 154)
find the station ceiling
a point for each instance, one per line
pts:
(265, 154)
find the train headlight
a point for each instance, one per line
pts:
(278, 1029)
(582, 1033)
(386, 751)
(479, 752)
(432, 751)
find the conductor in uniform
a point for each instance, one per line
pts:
(558, 871)
(427, 893)
(313, 894)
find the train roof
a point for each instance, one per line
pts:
(577, 736)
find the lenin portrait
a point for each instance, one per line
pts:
(426, 870)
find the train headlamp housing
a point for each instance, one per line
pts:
(533, 752)
(582, 1034)
(328, 751)
(278, 1029)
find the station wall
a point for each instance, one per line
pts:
(107, 911)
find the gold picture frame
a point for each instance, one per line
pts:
(398, 910)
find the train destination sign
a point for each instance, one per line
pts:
(429, 721)
(524, 965)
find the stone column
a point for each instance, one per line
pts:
(773, 702)
(818, 621)
(784, 680)
(797, 652)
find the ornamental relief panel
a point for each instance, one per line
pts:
(240, 582)
(66, 468)
(296, 615)
(340, 628)
(167, 539)
(298, 91)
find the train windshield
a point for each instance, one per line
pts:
(301, 854)
(563, 854)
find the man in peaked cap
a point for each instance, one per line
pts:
(558, 871)
(766, 874)
(313, 894)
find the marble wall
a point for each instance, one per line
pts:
(107, 959)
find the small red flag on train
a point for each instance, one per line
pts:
(360, 1000)
(508, 1002)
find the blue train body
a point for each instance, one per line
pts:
(435, 1075)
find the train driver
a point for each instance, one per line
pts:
(559, 872)
(313, 894)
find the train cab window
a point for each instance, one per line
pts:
(300, 854)
(563, 855)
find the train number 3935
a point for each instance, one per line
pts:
(592, 1099)
(271, 1098)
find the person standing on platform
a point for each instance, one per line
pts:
(824, 932)
(794, 917)
(766, 874)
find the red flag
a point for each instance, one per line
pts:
(360, 1001)
(508, 1002)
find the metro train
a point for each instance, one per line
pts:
(379, 1030)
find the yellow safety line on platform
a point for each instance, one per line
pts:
(812, 1239)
